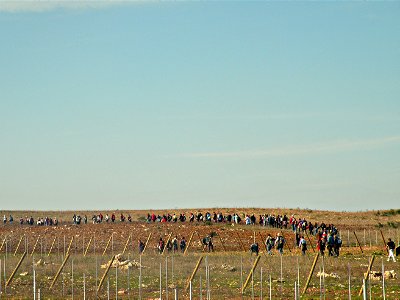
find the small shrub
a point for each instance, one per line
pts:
(393, 224)
(391, 212)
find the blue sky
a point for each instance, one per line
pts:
(139, 105)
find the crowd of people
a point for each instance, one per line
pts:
(100, 218)
(41, 221)
(326, 234)
(171, 246)
(270, 220)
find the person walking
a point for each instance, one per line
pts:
(269, 242)
(279, 242)
(183, 244)
(175, 244)
(391, 246)
(141, 246)
(303, 245)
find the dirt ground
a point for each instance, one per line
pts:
(231, 243)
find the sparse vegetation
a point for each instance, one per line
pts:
(224, 266)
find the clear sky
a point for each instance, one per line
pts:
(139, 105)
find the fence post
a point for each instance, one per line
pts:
(369, 237)
(176, 293)
(349, 283)
(190, 291)
(270, 287)
(84, 287)
(140, 277)
(364, 290)
(200, 289)
(116, 283)
(166, 277)
(160, 282)
(0, 278)
(261, 283)
(365, 241)
(129, 282)
(348, 238)
(383, 281)
(72, 275)
(34, 282)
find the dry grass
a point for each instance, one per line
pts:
(224, 266)
(225, 278)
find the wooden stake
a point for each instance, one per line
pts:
(2, 244)
(250, 274)
(366, 275)
(126, 244)
(105, 273)
(384, 242)
(286, 243)
(310, 274)
(34, 247)
(193, 273)
(15, 270)
(70, 244)
(51, 247)
(145, 245)
(59, 270)
(88, 245)
(262, 240)
(16, 249)
(309, 240)
(240, 242)
(201, 241)
(359, 245)
(222, 243)
(169, 237)
(108, 243)
(188, 244)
